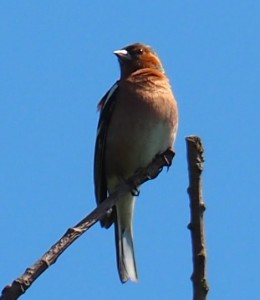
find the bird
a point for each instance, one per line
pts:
(138, 120)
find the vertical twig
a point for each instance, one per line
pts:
(197, 207)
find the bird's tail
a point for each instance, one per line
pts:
(124, 239)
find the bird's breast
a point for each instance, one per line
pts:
(143, 124)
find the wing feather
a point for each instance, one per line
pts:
(106, 106)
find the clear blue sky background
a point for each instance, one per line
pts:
(56, 62)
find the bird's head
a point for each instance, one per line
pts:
(137, 56)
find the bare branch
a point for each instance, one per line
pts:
(197, 207)
(21, 284)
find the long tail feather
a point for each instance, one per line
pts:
(124, 239)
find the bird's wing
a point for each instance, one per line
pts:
(106, 106)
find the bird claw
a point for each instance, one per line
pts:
(167, 161)
(169, 153)
(135, 191)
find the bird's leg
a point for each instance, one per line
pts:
(134, 188)
(168, 156)
(135, 191)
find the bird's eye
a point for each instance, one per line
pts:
(138, 51)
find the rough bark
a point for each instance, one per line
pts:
(195, 158)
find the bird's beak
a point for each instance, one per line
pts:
(122, 54)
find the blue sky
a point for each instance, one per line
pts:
(56, 63)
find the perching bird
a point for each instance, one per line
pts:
(138, 120)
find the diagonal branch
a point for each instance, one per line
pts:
(22, 283)
(197, 207)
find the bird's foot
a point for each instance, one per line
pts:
(168, 156)
(135, 191)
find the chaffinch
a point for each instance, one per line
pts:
(138, 120)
